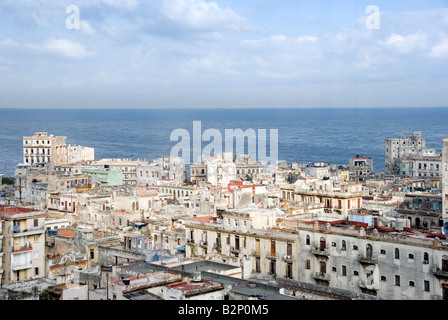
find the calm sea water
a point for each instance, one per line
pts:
(305, 135)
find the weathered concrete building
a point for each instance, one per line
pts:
(23, 243)
(170, 169)
(400, 148)
(127, 166)
(340, 254)
(423, 210)
(77, 154)
(445, 185)
(425, 166)
(360, 167)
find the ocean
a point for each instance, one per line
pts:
(304, 135)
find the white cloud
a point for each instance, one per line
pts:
(8, 43)
(406, 44)
(306, 38)
(122, 4)
(65, 47)
(87, 28)
(198, 14)
(440, 50)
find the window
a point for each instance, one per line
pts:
(426, 285)
(307, 264)
(411, 256)
(344, 270)
(289, 249)
(355, 247)
(36, 271)
(382, 251)
(397, 281)
(307, 240)
(344, 245)
(355, 273)
(333, 269)
(36, 222)
(92, 254)
(425, 258)
(272, 267)
(383, 278)
(411, 283)
(397, 253)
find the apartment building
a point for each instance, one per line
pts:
(425, 166)
(360, 166)
(338, 203)
(42, 148)
(127, 166)
(170, 169)
(400, 148)
(423, 210)
(445, 185)
(23, 243)
(341, 254)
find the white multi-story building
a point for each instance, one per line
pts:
(425, 166)
(43, 148)
(161, 169)
(79, 154)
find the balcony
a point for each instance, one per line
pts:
(368, 259)
(319, 276)
(321, 252)
(271, 256)
(235, 249)
(288, 258)
(203, 244)
(256, 253)
(217, 247)
(26, 247)
(440, 273)
(22, 232)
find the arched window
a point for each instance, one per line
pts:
(308, 240)
(397, 253)
(445, 263)
(344, 245)
(322, 243)
(369, 251)
(417, 222)
(425, 257)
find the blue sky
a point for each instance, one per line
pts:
(223, 54)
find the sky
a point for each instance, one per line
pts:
(223, 54)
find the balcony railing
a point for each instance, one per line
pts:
(321, 276)
(320, 251)
(439, 273)
(368, 259)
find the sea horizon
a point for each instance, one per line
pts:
(305, 134)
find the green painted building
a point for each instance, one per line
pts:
(107, 177)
